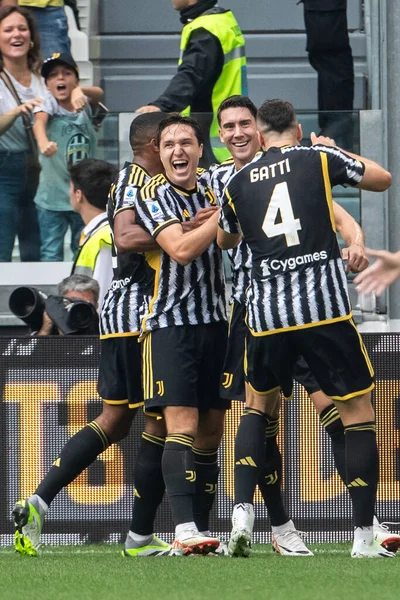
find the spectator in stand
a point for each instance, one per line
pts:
(20, 73)
(211, 68)
(51, 22)
(329, 53)
(90, 184)
(65, 135)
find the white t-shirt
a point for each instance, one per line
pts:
(15, 139)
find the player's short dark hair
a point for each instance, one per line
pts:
(144, 128)
(276, 115)
(236, 101)
(94, 177)
(177, 119)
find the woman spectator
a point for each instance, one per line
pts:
(20, 65)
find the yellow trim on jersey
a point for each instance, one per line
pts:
(136, 405)
(231, 317)
(123, 208)
(328, 189)
(149, 189)
(363, 350)
(298, 327)
(147, 368)
(116, 402)
(352, 394)
(106, 336)
(161, 226)
(154, 261)
(230, 202)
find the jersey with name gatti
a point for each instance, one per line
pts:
(282, 203)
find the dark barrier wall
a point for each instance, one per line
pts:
(48, 392)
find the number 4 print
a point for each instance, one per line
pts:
(289, 226)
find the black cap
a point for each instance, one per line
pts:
(59, 58)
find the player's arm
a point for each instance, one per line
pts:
(353, 236)
(46, 147)
(375, 178)
(185, 247)
(129, 236)
(229, 233)
(378, 277)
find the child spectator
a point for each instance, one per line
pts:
(65, 135)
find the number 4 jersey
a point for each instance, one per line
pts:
(282, 203)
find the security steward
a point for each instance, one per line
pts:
(212, 66)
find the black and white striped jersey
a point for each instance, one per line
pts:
(126, 301)
(183, 295)
(240, 257)
(282, 203)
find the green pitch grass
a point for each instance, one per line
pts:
(100, 573)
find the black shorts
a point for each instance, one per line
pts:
(303, 375)
(232, 378)
(182, 367)
(120, 377)
(335, 354)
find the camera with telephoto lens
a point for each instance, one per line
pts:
(68, 315)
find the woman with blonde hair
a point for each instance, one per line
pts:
(21, 90)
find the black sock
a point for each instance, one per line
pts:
(149, 484)
(362, 470)
(332, 422)
(249, 454)
(179, 471)
(78, 453)
(270, 480)
(207, 471)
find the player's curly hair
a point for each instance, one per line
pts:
(34, 57)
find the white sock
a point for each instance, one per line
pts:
(186, 530)
(42, 504)
(279, 529)
(140, 539)
(375, 521)
(366, 534)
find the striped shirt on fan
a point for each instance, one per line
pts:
(126, 301)
(282, 203)
(183, 295)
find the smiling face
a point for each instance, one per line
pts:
(15, 37)
(60, 82)
(238, 131)
(180, 153)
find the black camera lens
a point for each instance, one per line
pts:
(80, 315)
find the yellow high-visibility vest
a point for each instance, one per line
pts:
(233, 78)
(86, 258)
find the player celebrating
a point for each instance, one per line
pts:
(298, 303)
(238, 131)
(184, 332)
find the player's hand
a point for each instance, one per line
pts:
(49, 148)
(321, 139)
(202, 216)
(148, 109)
(356, 257)
(378, 277)
(78, 99)
(28, 107)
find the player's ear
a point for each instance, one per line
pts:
(220, 135)
(299, 132)
(261, 139)
(201, 150)
(153, 145)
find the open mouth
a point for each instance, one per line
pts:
(17, 44)
(240, 144)
(61, 87)
(180, 165)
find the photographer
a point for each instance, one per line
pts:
(73, 311)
